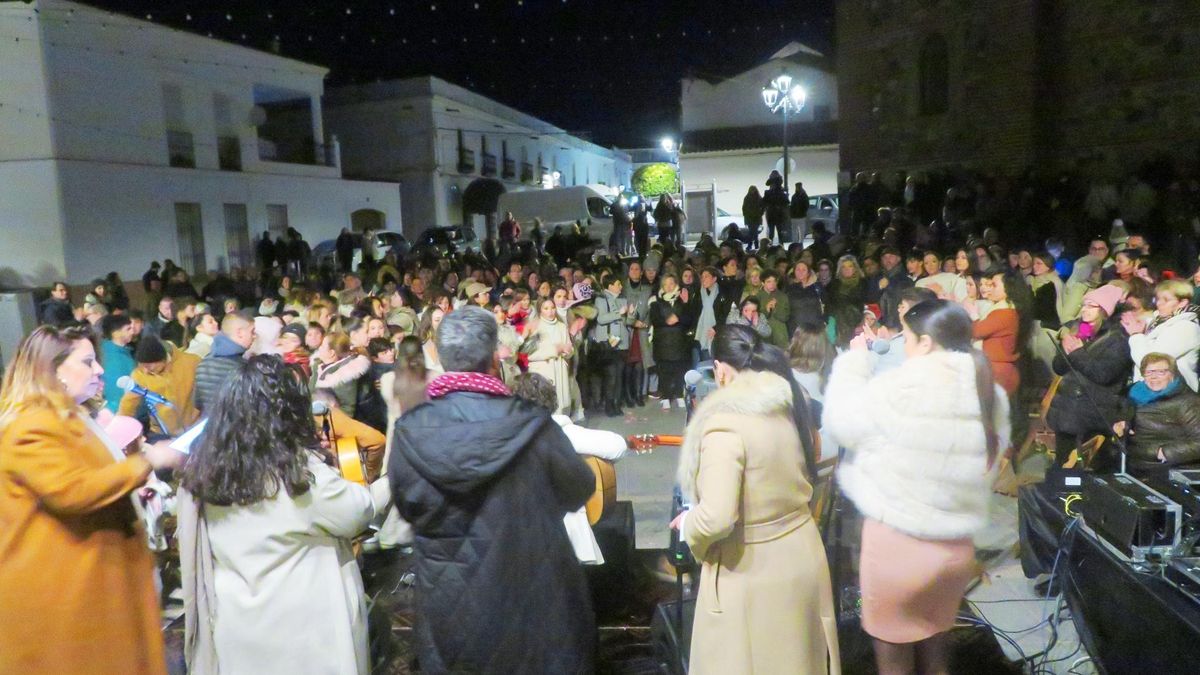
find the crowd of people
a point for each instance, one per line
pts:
(914, 346)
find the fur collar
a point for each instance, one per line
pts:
(338, 373)
(751, 394)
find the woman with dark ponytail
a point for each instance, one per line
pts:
(744, 466)
(922, 442)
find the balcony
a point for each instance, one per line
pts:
(304, 151)
(489, 165)
(466, 160)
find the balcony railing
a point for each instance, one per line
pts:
(526, 172)
(466, 160)
(489, 165)
(296, 152)
(510, 169)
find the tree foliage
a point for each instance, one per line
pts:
(655, 179)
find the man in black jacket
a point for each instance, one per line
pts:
(228, 351)
(56, 310)
(485, 479)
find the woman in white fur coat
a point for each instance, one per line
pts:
(765, 603)
(1173, 331)
(922, 442)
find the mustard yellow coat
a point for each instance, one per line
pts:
(76, 578)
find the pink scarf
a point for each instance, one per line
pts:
(479, 383)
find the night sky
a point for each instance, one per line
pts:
(606, 69)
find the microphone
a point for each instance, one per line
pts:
(881, 347)
(692, 379)
(320, 408)
(125, 382)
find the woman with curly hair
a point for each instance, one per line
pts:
(264, 536)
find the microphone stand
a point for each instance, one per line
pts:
(153, 409)
(681, 555)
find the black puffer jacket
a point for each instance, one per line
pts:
(485, 482)
(221, 363)
(1171, 423)
(1089, 399)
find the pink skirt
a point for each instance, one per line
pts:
(911, 588)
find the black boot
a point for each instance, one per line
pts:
(639, 391)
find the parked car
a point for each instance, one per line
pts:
(821, 209)
(385, 241)
(445, 240)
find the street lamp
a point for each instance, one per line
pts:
(668, 144)
(782, 95)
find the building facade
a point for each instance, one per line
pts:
(731, 140)
(1016, 84)
(124, 141)
(454, 152)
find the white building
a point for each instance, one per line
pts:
(123, 141)
(454, 152)
(731, 140)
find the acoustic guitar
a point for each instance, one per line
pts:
(606, 488)
(350, 460)
(645, 443)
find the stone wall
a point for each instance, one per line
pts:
(1031, 82)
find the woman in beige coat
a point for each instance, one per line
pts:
(549, 347)
(270, 583)
(765, 602)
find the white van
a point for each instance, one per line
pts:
(561, 206)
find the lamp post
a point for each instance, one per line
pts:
(782, 95)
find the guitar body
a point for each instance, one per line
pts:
(350, 461)
(606, 488)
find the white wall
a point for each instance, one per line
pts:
(31, 237)
(407, 130)
(24, 124)
(105, 76)
(737, 101)
(120, 217)
(733, 172)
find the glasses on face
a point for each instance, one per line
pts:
(1097, 248)
(1156, 372)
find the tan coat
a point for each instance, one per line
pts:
(765, 603)
(76, 578)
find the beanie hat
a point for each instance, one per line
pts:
(294, 329)
(150, 350)
(1106, 298)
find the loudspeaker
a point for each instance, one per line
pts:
(1131, 517)
(672, 641)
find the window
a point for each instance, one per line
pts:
(277, 220)
(237, 236)
(466, 156)
(934, 76)
(189, 232)
(599, 208)
(181, 149)
(229, 153)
